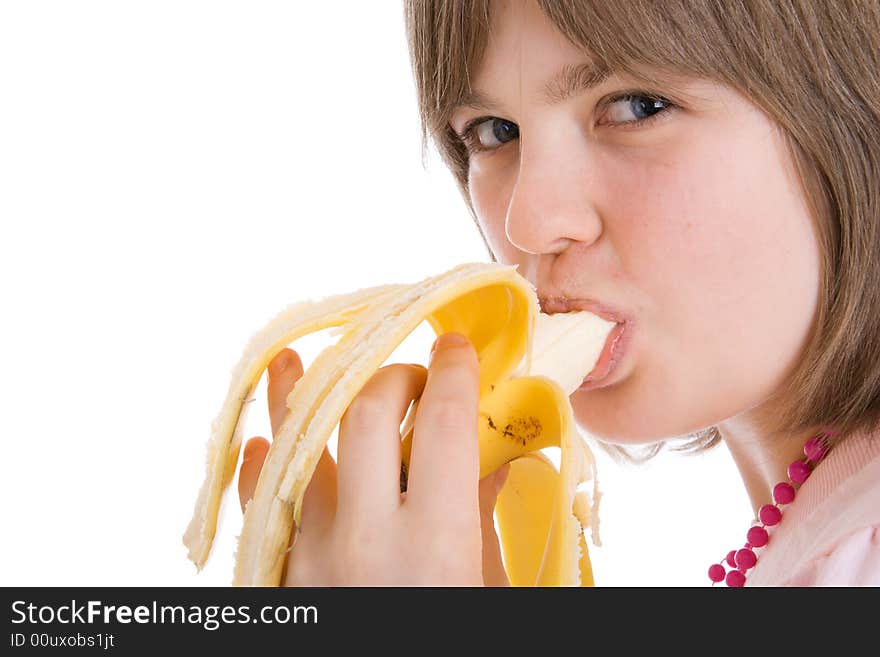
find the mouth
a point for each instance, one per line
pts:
(612, 354)
(615, 343)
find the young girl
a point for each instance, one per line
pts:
(710, 172)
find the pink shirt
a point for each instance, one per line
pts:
(830, 535)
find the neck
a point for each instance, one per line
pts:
(761, 457)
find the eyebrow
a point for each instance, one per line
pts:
(569, 81)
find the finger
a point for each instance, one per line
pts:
(445, 464)
(285, 369)
(493, 565)
(319, 500)
(255, 451)
(368, 450)
(318, 509)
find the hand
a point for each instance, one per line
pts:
(358, 529)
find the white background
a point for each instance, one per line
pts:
(172, 174)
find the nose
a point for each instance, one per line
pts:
(553, 202)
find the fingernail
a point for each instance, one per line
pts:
(445, 340)
(279, 363)
(249, 448)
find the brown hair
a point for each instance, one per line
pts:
(811, 65)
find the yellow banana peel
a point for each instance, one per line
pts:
(524, 382)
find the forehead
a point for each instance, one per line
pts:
(526, 54)
(528, 57)
(522, 38)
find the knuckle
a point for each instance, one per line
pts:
(464, 356)
(362, 539)
(453, 559)
(462, 374)
(446, 412)
(360, 551)
(365, 410)
(378, 397)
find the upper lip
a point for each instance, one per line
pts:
(551, 304)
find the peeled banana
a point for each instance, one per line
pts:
(529, 364)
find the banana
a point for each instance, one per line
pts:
(529, 364)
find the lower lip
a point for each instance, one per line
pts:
(612, 354)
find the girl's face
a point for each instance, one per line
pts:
(686, 216)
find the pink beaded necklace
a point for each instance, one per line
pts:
(769, 515)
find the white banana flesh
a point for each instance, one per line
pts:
(567, 346)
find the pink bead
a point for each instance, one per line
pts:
(731, 559)
(769, 515)
(735, 578)
(716, 572)
(783, 493)
(814, 449)
(745, 559)
(758, 536)
(798, 471)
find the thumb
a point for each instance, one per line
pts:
(493, 566)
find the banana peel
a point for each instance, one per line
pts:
(542, 512)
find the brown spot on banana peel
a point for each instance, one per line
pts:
(521, 430)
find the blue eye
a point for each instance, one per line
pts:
(635, 108)
(488, 133)
(631, 109)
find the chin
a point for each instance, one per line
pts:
(607, 414)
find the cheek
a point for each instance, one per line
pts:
(728, 244)
(490, 191)
(718, 241)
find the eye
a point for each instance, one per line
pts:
(488, 133)
(635, 108)
(631, 109)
